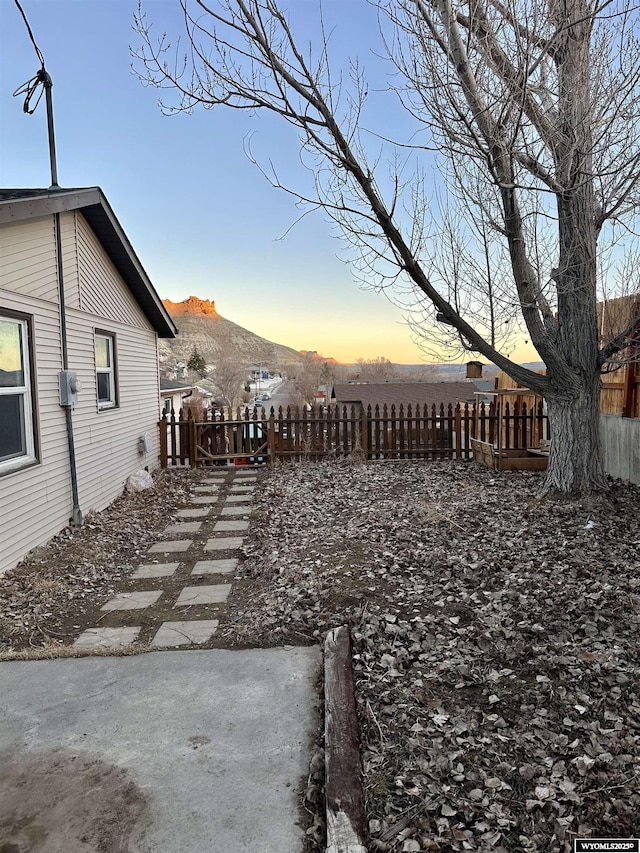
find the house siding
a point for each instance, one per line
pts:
(177, 402)
(101, 288)
(36, 502)
(28, 258)
(106, 441)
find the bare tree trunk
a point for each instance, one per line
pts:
(575, 463)
(574, 400)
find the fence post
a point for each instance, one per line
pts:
(271, 439)
(458, 430)
(192, 440)
(175, 435)
(162, 424)
(364, 434)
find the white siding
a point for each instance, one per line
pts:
(176, 400)
(35, 502)
(101, 289)
(106, 441)
(28, 258)
(70, 260)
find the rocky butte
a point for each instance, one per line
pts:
(216, 338)
(193, 306)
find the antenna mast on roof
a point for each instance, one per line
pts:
(30, 88)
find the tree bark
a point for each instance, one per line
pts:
(575, 465)
(574, 399)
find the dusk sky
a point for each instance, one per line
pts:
(199, 214)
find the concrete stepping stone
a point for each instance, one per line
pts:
(215, 567)
(211, 489)
(193, 595)
(182, 527)
(106, 638)
(238, 499)
(235, 510)
(155, 570)
(170, 546)
(193, 512)
(244, 481)
(242, 489)
(214, 478)
(224, 543)
(172, 634)
(204, 500)
(132, 600)
(227, 526)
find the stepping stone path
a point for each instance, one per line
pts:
(176, 597)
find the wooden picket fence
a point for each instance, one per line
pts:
(254, 437)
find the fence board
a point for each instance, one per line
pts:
(420, 432)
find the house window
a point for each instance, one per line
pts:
(167, 405)
(17, 444)
(105, 346)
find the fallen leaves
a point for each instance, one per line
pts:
(43, 600)
(496, 645)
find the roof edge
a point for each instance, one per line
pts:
(93, 204)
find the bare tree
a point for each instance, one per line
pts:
(228, 376)
(533, 107)
(307, 378)
(375, 369)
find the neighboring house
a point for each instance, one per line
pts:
(257, 373)
(364, 394)
(98, 344)
(323, 395)
(174, 394)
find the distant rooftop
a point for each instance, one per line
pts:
(405, 393)
(174, 385)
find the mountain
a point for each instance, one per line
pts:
(314, 355)
(201, 327)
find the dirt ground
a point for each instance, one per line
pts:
(496, 645)
(93, 805)
(58, 588)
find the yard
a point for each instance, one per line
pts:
(496, 645)
(496, 637)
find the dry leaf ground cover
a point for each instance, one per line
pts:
(45, 601)
(496, 644)
(496, 636)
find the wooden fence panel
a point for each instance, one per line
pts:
(417, 432)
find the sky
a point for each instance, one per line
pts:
(199, 214)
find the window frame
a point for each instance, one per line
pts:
(112, 372)
(27, 391)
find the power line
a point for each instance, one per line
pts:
(38, 84)
(31, 87)
(41, 79)
(31, 36)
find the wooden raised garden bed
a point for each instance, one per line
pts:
(508, 460)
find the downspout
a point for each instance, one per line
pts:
(76, 513)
